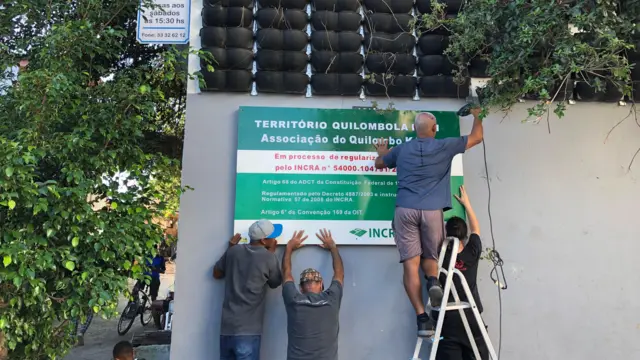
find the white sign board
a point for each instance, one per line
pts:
(165, 23)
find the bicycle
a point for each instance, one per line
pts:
(140, 305)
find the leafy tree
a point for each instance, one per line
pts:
(90, 106)
(534, 48)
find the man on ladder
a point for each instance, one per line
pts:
(424, 192)
(457, 262)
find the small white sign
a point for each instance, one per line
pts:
(166, 23)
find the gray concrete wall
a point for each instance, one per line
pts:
(153, 352)
(565, 219)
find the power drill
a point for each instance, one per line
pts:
(466, 110)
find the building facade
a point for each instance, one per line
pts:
(563, 203)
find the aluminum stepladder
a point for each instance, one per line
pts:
(450, 271)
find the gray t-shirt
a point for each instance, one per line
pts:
(312, 322)
(248, 271)
(424, 171)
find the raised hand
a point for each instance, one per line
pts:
(235, 239)
(463, 198)
(476, 111)
(382, 146)
(296, 240)
(327, 239)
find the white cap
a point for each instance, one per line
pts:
(264, 229)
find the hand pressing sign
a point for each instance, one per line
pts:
(296, 240)
(235, 239)
(327, 239)
(382, 146)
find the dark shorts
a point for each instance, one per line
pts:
(239, 347)
(454, 350)
(418, 232)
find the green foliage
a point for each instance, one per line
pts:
(91, 106)
(532, 51)
(167, 189)
(380, 110)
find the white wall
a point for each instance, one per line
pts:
(564, 209)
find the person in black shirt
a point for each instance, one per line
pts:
(455, 344)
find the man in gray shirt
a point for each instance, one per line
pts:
(424, 192)
(312, 313)
(248, 269)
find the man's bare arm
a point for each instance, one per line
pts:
(286, 265)
(293, 244)
(382, 148)
(338, 266)
(477, 132)
(218, 268)
(474, 224)
(328, 243)
(217, 273)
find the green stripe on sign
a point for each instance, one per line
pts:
(321, 197)
(269, 128)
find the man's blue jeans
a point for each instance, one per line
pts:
(239, 347)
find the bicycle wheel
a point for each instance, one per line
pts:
(125, 322)
(145, 309)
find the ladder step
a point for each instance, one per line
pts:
(455, 306)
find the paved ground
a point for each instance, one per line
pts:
(103, 334)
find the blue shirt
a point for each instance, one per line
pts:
(156, 262)
(424, 171)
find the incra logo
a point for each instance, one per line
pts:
(358, 232)
(373, 233)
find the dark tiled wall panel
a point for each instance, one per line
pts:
(389, 45)
(227, 34)
(453, 6)
(336, 47)
(435, 70)
(281, 58)
(277, 44)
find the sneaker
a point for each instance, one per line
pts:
(425, 327)
(435, 295)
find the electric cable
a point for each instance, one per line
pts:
(494, 255)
